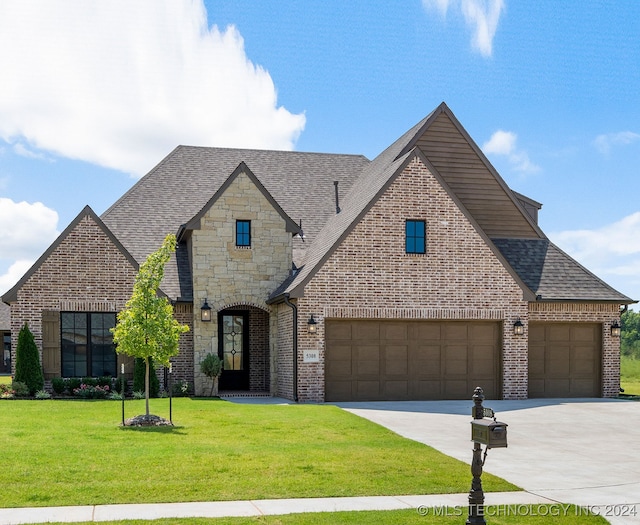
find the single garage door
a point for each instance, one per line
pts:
(403, 360)
(565, 359)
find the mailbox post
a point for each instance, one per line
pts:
(492, 434)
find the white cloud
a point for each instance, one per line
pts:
(482, 16)
(612, 252)
(504, 143)
(605, 142)
(14, 274)
(121, 83)
(26, 230)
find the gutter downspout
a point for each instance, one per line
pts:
(295, 345)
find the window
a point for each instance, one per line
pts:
(415, 237)
(87, 344)
(243, 233)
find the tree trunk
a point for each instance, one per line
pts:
(146, 383)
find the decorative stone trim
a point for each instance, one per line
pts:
(413, 313)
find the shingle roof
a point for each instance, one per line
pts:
(179, 186)
(554, 276)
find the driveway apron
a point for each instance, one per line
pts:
(580, 451)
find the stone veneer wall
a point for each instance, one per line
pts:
(588, 313)
(458, 278)
(229, 276)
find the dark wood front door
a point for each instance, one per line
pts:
(233, 349)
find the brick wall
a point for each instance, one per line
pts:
(458, 278)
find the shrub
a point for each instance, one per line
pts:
(20, 389)
(43, 394)
(89, 381)
(211, 366)
(105, 381)
(115, 396)
(73, 383)
(181, 388)
(117, 385)
(6, 392)
(85, 391)
(138, 377)
(59, 385)
(28, 369)
(137, 394)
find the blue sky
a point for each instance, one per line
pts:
(94, 94)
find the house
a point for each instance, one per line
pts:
(319, 277)
(5, 337)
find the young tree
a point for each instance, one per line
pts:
(28, 369)
(211, 366)
(146, 327)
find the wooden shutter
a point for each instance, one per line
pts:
(51, 350)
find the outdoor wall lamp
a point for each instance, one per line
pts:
(312, 326)
(205, 312)
(615, 329)
(518, 327)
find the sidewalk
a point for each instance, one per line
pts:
(220, 509)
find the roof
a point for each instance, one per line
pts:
(182, 184)
(554, 276)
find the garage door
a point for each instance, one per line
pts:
(400, 360)
(564, 359)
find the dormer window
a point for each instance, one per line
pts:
(243, 234)
(415, 236)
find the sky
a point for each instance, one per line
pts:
(94, 94)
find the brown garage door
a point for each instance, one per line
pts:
(564, 359)
(399, 360)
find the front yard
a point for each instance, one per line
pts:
(75, 453)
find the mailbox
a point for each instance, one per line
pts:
(489, 432)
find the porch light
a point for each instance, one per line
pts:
(615, 329)
(312, 326)
(518, 327)
(205, 312)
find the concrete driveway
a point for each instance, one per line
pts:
(581, 451)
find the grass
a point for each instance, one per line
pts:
(75, 453)
(5, 380)
(630, 375)
(529, 515)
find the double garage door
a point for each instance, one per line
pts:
(403, 360)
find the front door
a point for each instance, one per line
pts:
(233, 349)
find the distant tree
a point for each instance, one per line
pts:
(630, 334)
(146, 328)
(28, 369)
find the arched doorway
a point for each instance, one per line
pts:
(243, 346)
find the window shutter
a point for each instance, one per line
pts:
(51, 350)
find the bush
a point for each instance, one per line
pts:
(43, 394)
(137, 394)
(114, 396)
(211, 366)
(20, 389)
(59, 385)
(138, 377)
(85, 391)
(89, 381)
(73, 383)
(117, 385)
(6, 392)
(28, 369)
(181, 388)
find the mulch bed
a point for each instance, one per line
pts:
(147, 421)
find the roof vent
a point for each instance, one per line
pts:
(335, 183)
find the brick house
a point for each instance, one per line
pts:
(320, 277)
(5, 338)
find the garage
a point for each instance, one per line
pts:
(369, 360)
(565, 359)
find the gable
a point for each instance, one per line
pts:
(79, 251)
(474, 181)
(370, 264)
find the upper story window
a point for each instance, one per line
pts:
(243, 233)
(415, 237)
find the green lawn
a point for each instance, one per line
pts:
(531, 515)
(5, 379)
(75, 453)
(630, 375)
